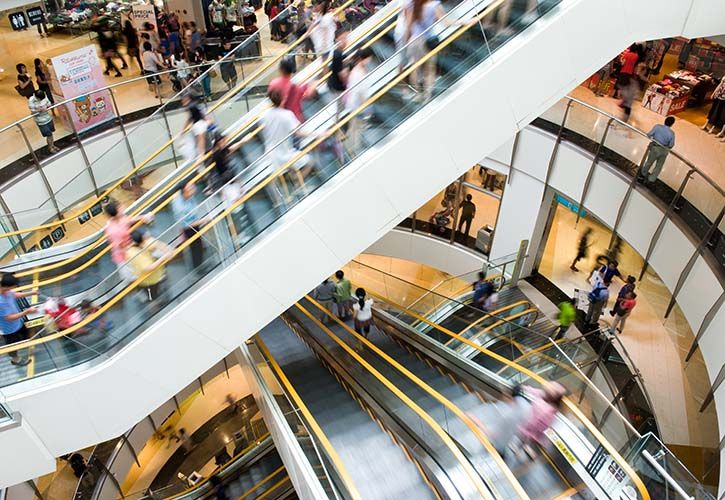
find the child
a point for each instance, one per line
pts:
(101, 323)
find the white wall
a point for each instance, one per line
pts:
(427, 152)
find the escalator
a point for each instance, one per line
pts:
(263, 251)
(459, 405)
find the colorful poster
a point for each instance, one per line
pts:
(79, 72)
(142, 14)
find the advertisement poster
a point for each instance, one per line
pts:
(142, 14)
(79, 72)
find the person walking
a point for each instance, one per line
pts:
(39, 106)
(362, 312)
(292, 93)
(566, 316)
(226, 67)
(482, 291)
(325, 295)
(147, 257)
(109, 49)
(598, 298)
(185, 210)
(196, 141)
(468, 212)
(12, 326)
(421, 16)
(582, 248)
(343, 295)
(546, 404)
(358, 90)
(132, 43)
(623, 309)
(152, 63)
(322, 30)
(663, 140)
(42, 78)
(118, 234)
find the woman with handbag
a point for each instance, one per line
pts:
(421, 15)
(25, 85)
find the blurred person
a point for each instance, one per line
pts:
(152, 63)
(358, 91)
(101, 323)
(401, 32)
(42, 78)
(468, 212)
(109, 49)
(322, 29)
(274, 30)
(183, 70)
(628, 60)
(118, 233)
(219, 488)
(324, 293)
(173, 23)
(544, 407)
(153, 36)
(582, 249)
(339, 71)
(622, 309)
(78, 464)
(504, 428)
(663, 140)
(440, 219)
(278, 126)
(226, 67)
(482, 291)
(216, 14)
(194, 37)
(25, 85)
(610, 271)
(292, 93)
(598, 298)
(231, 14)
(176, 47)
(12, 326)
(196, 140)
(629, 286)
(362, 312)
(133, 49)
(566, 316)
(39, 106)
(184, 208)
(628, 92)
(343, 295)
(421, 16)
(147, 257)
(164, 46)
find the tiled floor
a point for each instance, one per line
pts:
(657, 346)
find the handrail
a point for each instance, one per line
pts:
(319, 139)
(662, 472)
(215, 106)
(265, 479)
(492, 314)
(644, 134)
(505, 321)
(539, 379)
(316, 429)
(171, 185)
(453, 447)
(258, 441)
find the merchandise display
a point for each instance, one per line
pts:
(666, 97)
(701, 84)
(700, 55)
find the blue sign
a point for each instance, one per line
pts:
(569, 204)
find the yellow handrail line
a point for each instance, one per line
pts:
(435, 426)
(179, 175)
(231, 462)
(508, 319)
(257, 188)
(489, 315)
(315, 427)
(273, 487)
(455, 294)
(538, 378)
(261, 482)
(141, 165)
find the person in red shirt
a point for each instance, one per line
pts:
(622, 311)
(629, 60)
(292, 93)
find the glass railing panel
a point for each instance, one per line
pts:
(625, 148)
(588, 123)
(701, 205)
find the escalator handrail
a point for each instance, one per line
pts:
(233, 92)
(342, 122)
(473, 427)
(265, 479)
(257, 443)
(491, 315)
(184, 172)
(311, 421)
(507, 320)
(216, 105)
(476, 480)
(536, 377)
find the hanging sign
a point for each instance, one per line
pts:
(142, 14)
(79, 72)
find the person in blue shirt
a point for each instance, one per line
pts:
(185, 210)
(482, 290)
(12, 326)
(598, 298)
(663, 139)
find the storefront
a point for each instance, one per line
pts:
(448, 214)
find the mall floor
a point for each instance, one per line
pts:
(657, 346)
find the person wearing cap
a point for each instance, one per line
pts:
(12, 326)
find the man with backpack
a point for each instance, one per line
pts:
(598, 298)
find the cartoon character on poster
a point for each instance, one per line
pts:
(79, 73)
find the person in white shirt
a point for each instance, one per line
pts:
(152, 63)
(322, 31)
(362, 312)
(358, 90)
(39, 105)
(195, 141)
(278, 124)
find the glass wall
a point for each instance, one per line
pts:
(474, 219)
(657, 346)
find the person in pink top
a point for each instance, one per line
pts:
(118, 233)
(545, 406)
(292, 93)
